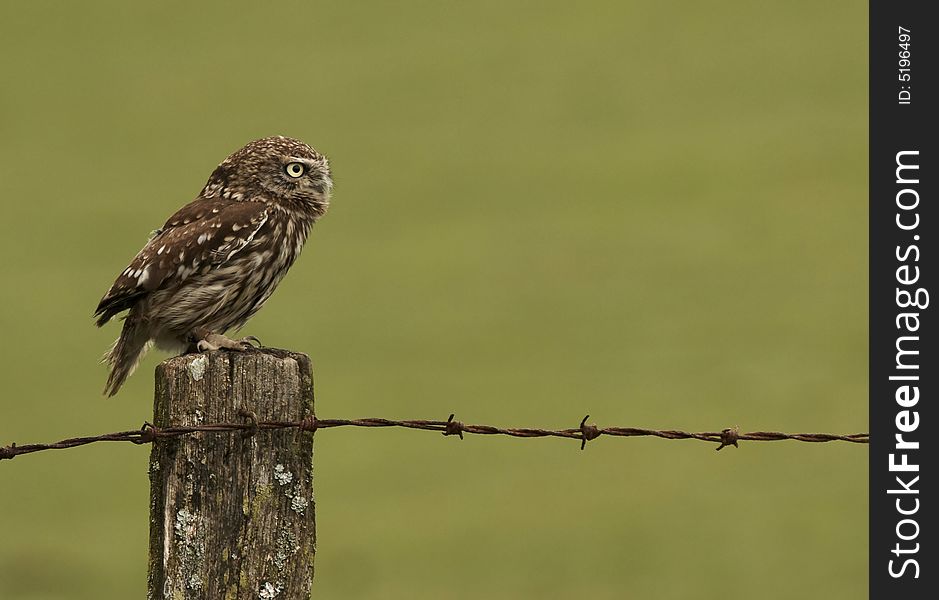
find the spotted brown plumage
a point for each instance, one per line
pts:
(217, 260)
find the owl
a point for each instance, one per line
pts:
(217, 260)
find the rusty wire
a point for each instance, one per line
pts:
(584, 432)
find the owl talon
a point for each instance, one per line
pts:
(250, 341)
(216, 341)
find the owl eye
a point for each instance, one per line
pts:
(295, 169)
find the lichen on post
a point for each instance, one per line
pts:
(232, 513)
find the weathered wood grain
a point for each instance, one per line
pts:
(231, 514)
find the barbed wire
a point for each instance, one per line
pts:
(585, 432)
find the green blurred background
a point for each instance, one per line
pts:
(652, 212)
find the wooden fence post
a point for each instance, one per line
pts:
(231, 513)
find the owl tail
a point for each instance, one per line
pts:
(125, 354)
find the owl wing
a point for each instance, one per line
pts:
(202, 235)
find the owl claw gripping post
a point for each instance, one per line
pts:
(219, 258)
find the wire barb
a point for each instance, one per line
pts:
(150, 433)
(729, 437)
(453, 427)
(8, 452)
(251, 418)
(588, 432)
(308, 424)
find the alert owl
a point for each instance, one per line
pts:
(217, 260)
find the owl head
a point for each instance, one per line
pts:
(274, 169)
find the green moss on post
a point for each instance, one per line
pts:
(231, 514)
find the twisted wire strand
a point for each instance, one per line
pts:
(585, 432)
